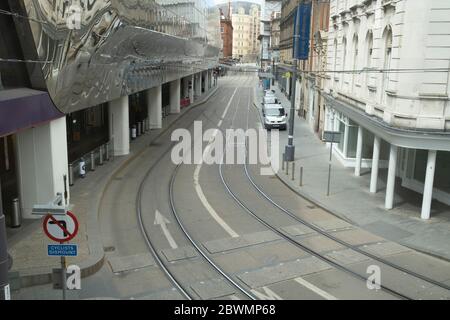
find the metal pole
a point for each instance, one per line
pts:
(92, 161)
(287, 168)
(107, 151)
(282, 163)
(273, 71)
(290, 148)
(100, 155)
(71, 174)
(329, 166)
(63, 277)
(4, 260)
(293, 171)
(301, 176)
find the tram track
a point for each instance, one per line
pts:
(319, 231)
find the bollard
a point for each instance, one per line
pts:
(133, 132)
(70, 175)
(82, 168)
(147, 124)
(100, 155)
(293, 171)
(92, 161)
(107, 151)
(301, 177)
(287, 168)
(16, 216)
(139, 128)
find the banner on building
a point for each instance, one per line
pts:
(302, 26)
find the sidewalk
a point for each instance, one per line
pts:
(28, 244)
(351, 200)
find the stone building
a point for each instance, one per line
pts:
(387, 92)
(246, 26)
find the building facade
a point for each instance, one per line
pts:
(269, 8)
(275, 36)
(246, 26)
(387, 92)
(70, 96)
(226, 31)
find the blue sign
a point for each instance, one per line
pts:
(62, 250)
(302, 27)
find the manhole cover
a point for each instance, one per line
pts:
(109, 249)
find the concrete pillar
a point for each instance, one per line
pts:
(428, 187)
(390, 187)
(198, 84)
(207, 81)
(42, 163)
(345, 148)
(375, 165)
(175, 87)
(119, 126)
(154, 105)
(192, 91)
(359, 145)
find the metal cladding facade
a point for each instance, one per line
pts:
(94, 51)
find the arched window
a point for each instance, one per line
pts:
(344, 58)
(335, 76)
(369, 52)
(387, 37)
(355, 59)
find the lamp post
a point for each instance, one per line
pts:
(290, 148)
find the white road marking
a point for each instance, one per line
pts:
(163, 221)
(198, 188)
(267, 295)
(315, 289)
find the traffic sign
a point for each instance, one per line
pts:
(332, 136)
(62, 250)
(61, 228)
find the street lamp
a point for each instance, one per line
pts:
(290, 148)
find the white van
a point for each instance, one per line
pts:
(274, 117)
(270, 100)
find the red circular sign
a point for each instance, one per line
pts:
(61, 228)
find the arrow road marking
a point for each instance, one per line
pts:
(163, 221)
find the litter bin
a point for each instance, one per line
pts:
(16, 217)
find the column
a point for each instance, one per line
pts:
(359, 145)
(345, 148)
(175, 96)
(375, 165)
(198, 84)
(428, 187)
(119, 126)
(207, 81)
(191, 92)
(42, 163)
(390, 187)
(154, 105)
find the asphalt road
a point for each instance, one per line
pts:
(219, 237)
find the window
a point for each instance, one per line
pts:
(387, 37)
(369, 43)
(355, 59)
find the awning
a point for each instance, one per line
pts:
(22, 108)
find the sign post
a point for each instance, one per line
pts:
(61, 229)
(332, 137)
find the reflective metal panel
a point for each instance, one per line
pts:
(99, 50)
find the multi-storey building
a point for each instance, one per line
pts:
(269, 7)
(82, 79)
(226, 30)
(274, 48)
(246, 25)
(387, 92)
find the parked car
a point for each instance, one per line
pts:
(274, 117)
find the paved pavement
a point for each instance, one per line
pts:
(350, 197)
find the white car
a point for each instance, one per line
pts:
(274, 117)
